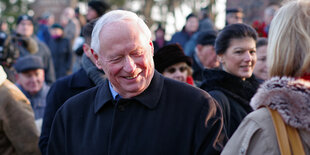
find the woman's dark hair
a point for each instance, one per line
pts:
(261, 42)
(233, 31)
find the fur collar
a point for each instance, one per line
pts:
(2, 75)
(289, 96)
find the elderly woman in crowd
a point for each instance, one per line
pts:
(286, 95)
(171, 61)
(233, 85)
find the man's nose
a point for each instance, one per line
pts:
(129, 64)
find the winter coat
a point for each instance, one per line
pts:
(59, 93)
(169, 117)
(180, 37)
(18, 132)
(232, 93)
(43, 52)
(256, 134)
(62, 56)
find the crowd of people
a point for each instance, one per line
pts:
(103, 85)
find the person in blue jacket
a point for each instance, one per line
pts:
(136, 110)
(191, 26)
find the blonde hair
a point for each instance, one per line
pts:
(289, 40)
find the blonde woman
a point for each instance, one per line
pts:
(287, 92)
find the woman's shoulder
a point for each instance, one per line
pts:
(255, 135)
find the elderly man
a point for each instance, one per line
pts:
(85, 78)
(28, 44)
(137, 110)
(30, 80)
(204, 55)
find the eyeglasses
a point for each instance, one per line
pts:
(173, 69)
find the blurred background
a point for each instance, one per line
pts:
(170, 13)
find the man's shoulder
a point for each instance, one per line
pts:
(184, 89)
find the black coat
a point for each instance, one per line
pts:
(59, 93)
(167, 118)
(232, 93)
(62, 56)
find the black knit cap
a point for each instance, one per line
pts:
(24, 17)
(56, 25)
(100, 6)
(206, 37)
(170, 55)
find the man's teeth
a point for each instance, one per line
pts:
(131, 77)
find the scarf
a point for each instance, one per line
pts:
(95, 74)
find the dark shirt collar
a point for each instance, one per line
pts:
(150, 97)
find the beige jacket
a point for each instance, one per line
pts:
(18, 132)
(256, 134)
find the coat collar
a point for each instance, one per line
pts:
(3, 76)
(149, 98)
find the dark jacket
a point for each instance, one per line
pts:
(45, 53)
(198, 68)
(60, 91)
(232, 93)
(180, 37)
(167, 118)
(62, 55)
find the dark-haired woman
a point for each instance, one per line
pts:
(234, 84)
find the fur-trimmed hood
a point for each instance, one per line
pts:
(289, 96)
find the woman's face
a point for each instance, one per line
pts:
(260, 70)
(177, 71)
(240, 57)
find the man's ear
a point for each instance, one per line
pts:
(96, 56)
(152, 47)
(86, 49)
(199, 47)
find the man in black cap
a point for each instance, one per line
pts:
(96, 9)
(30, 80)
(234, 16)
(27, 44)
(204, 55)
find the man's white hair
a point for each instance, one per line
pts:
(114, 16)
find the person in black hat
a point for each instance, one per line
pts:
(96, 9)
(61, 51)
(30, 45)
(30, 80)
(204, 55)
(171, 61)
(234, 16)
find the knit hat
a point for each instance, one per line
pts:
(206, 37)
(234, 10)
(170, 55)
(56, 25)
(24, 17)
(100, 6)
(28, 62)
